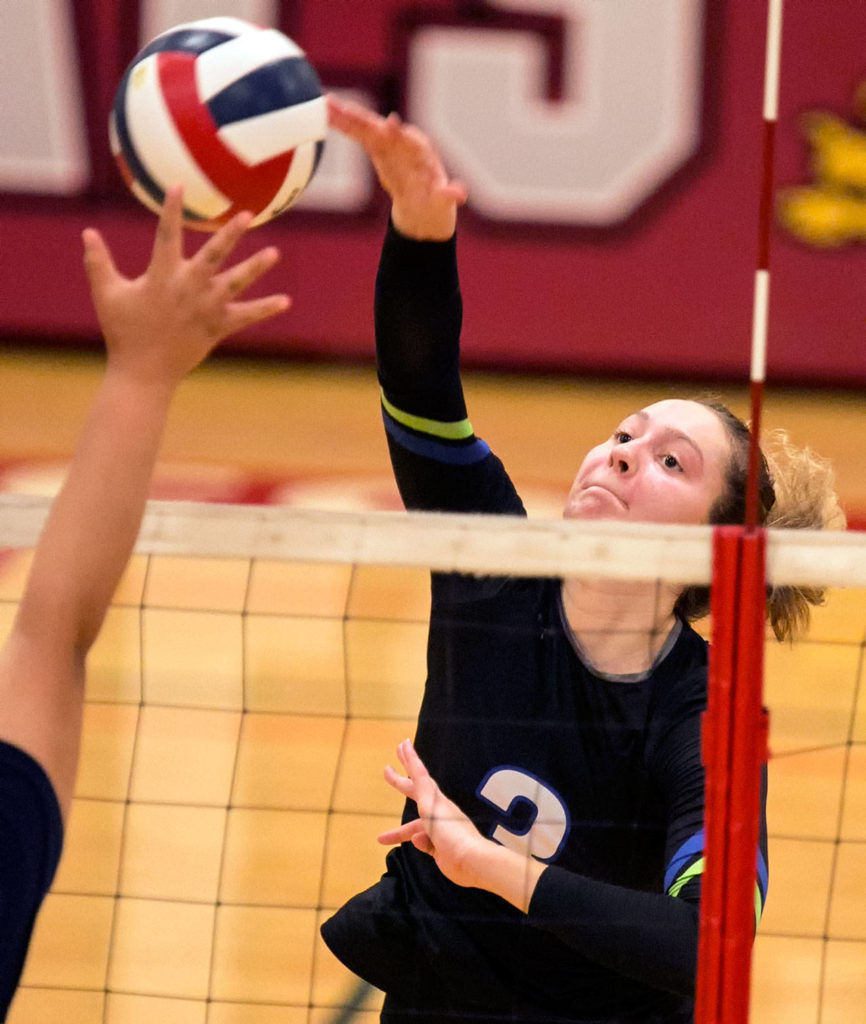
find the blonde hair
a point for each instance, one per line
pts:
(805, 500)
(796, 491)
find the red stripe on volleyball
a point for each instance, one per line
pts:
(248, 188)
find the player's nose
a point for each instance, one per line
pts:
(622, 460)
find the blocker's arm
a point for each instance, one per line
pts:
(157, 327)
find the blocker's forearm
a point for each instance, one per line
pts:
(95, 519)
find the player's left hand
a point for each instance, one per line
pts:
(442, 829)
(160, 325)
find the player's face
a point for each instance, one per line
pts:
(663, 464)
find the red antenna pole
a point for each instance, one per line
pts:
(735, 726)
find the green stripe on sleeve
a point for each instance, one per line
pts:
(690, 873)
(697, 869)
(455, 431)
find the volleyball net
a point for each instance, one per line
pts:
(257, 669)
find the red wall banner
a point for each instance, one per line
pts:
(612, 154)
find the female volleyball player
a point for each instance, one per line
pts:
(552, 870)
(156, 328)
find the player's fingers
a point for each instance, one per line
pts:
(168, 240)
(98, 261)
(398, 782)
(253, 311)
(412, 134)
(456, 191)
(411, 761)
(357, 122)
(217, 249)
(334, 106)
(344, 115)
(424, 843)
(239, 277)
(440, 810)
(402, 834)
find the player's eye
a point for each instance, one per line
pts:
(671, 462)
(621, 437)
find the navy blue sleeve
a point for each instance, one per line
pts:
(439, 463)
(31, 837)
(646, 936)
(681, 774)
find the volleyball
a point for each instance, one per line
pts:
(232, 111)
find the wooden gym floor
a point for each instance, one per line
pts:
(238, 721)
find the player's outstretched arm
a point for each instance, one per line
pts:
(438, 462)
(424, 199)
(157, 327)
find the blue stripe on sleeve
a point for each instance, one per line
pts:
(439, 451)
(763, 876)
(692, 847)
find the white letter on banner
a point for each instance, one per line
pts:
(160, 15)
(548, 826)
(629, 117)
(42, 132)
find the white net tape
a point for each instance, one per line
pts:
(484, 544)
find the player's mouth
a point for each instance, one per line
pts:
(607, 490)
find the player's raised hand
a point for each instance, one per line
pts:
(424, 198)
(444, 832)
(162, 324)
(442, 829)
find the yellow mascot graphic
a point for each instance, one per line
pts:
(832, 210)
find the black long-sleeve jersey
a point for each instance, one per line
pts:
(598, 776)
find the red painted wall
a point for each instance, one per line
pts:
(665, 291)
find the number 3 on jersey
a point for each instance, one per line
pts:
(534, 820)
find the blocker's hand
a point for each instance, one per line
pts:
(442, 830)
(424, 198)
(160, 325)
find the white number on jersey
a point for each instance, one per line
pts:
(535, 821)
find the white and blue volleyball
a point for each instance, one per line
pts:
(232, 111)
